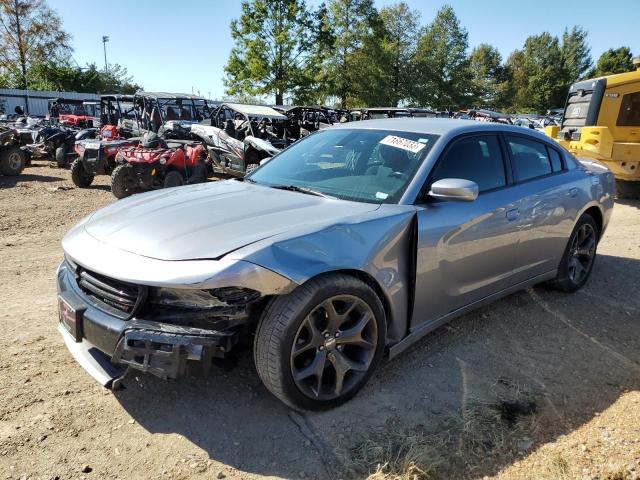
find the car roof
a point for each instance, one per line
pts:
(438, 126)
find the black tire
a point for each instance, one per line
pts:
(279, 331)
(61, 157)
(173, 178)
(81, 178)
(577, 251)
(12, 160)
(626, 189)
(121, 181)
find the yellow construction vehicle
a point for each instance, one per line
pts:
(601, 121)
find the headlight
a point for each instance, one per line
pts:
(202, 299)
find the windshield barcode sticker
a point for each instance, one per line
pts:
(403, 143)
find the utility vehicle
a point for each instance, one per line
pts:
(240, 136)
(602, 122)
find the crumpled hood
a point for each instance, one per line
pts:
(208, 221)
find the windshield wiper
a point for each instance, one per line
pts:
(295, 188)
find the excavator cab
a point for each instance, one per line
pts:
(601, 121)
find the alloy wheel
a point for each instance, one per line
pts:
(15, 161)
(334, 347)
(582, 253)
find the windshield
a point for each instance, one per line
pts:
(374, 166)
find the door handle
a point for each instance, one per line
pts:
(572, 192)
(513, 214)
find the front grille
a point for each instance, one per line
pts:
(115, 294)
(92, 154)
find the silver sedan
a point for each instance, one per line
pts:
(345, 248)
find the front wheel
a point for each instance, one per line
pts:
(173, 178)
(579, 256)
(121, 181)
(317, 346)
(61, 157)
(81, 178)
(12, 160)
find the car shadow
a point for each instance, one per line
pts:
(8, 182)
(629, 202)
(542, 359)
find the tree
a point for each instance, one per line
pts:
(272, 42)
(576, 54)
(31, 33)
(356, 29)
(441, 63)
(517, 82)
(613, 61)
(401, 25)
(488, 76)
(546, 85)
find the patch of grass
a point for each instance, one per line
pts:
(483, 434)
(395, 455)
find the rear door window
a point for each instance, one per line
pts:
(530, 159)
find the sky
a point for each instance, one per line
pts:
(183, 46)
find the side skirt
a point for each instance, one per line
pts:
(423, 330)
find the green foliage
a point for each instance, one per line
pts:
(489, 77)
(272, 41)
(401, 27)
(32, 33)
(442, 64)
(576, 54)
(613, 61)
(348, 53)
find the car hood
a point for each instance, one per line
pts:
(208, 221)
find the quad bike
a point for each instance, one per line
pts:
(59, 142)
(12, 158)
(97, 156)
(155, 164)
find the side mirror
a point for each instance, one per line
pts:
(455, 189)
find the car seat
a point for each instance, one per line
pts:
(230, 128)
(392, 159)
(171, 114)
(185, 114)
(155, 120)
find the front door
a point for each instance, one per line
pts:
(466, 250)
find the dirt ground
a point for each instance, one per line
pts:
(538, 385)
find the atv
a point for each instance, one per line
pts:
(97, 156)
(74, 112)
(58, 142)
(12, 158)
(239, 137)
(304, 120)
(157, 164)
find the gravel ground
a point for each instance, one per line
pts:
(538, 385)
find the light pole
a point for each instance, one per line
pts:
(105, 39)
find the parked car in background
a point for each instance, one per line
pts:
(354, 242)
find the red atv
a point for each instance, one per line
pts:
(97, 156)
(155, 164)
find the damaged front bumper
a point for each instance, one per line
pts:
(106, 345)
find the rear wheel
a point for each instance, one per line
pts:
(317, 346)
(61, 157)
(121, 181)
(579, 256)
(173, 178)
(627, 189)
(12, 160)
(81, 178)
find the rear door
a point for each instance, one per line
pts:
(466, 250)
(548, 205)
